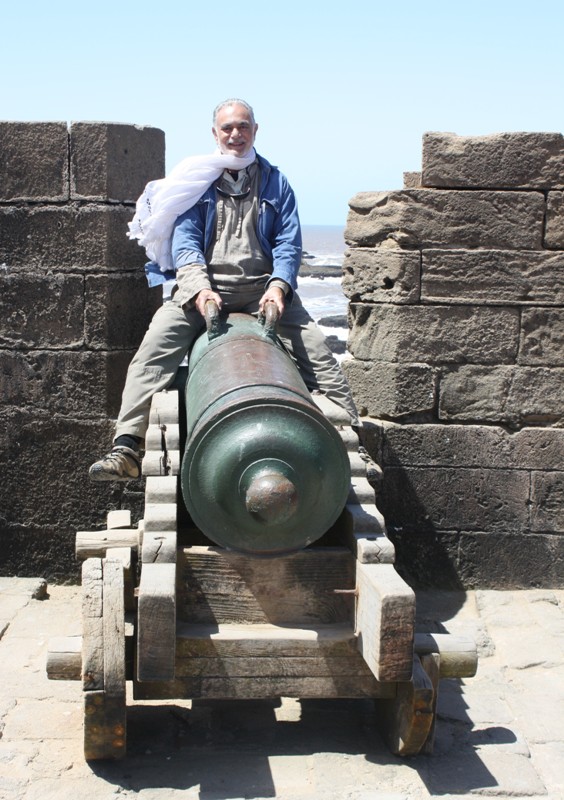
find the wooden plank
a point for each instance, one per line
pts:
(264, 688)
(218, 586)
(161, 489)
(157, 463)
(334, 413)
(264, 640)
(361, 491)
(273, 667)
(114, 628)
(164, 408)
(159, 517)
(156, 636)
(385, 620)
(165, 436)
(119, 518)
(92, 625)
(125, 556)
(159, 547)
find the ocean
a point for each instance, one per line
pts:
(324, 246)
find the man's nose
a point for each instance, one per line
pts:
(235, 133)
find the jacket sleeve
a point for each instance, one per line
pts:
(285, 237)
(188, 254)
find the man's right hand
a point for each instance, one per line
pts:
(202, 298)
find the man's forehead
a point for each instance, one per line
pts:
(229, 115)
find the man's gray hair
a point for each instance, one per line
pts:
(233, 101)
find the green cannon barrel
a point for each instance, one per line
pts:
(264, 472)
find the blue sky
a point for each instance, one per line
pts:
(342, 92)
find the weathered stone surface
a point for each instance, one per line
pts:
(44, 460)
(118, 309)
(391, 390)
(425, 558)
(431, 218)
(471, 446)
(438, 498)
(70, 236)
(492, 276)
(542, 337)
(547, 501)
(41, 310)
(110, 161)
(518, 560)
(504, 394)
(435, 335)
(411, 180)
(498, 161)
(381, 275)
(554, 236)
(76, 384)
(34, 159)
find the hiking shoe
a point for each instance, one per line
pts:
(120, 464)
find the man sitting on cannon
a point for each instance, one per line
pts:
(226, 227)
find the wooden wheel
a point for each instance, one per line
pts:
(103, 658)
(407, 721)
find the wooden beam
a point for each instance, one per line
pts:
(385, 621)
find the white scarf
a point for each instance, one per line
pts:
(166, 199)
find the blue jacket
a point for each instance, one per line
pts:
(278, 227)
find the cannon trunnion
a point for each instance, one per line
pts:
(265, 473)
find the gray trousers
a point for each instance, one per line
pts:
(174, 329)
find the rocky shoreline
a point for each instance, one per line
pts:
(320, 271)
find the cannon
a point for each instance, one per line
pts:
(263, 471)
(261, 568)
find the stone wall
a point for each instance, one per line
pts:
(456, 286)
(74, 305)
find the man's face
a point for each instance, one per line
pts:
(234, 130)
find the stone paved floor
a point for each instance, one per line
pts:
(499, 734)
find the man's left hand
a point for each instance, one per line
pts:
(273, 295)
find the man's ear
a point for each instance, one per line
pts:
(214, 134)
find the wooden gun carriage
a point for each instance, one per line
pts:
(289, 590)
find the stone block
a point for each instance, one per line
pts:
(41, 310)
(118, 309)
(68, 237)
(34, 159)
(516, 396)
(471, 446)
(498, 161)
(492, 276)
(444, 498)
(542, 337)
(554, 236)
(429, 218)
(517, 560)
(434, 334)
(391, 390)
(381, 275)
(547, 501)
(425, 558)
(78, 384)
(110, 161)
(44, 459)
(411, 180)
